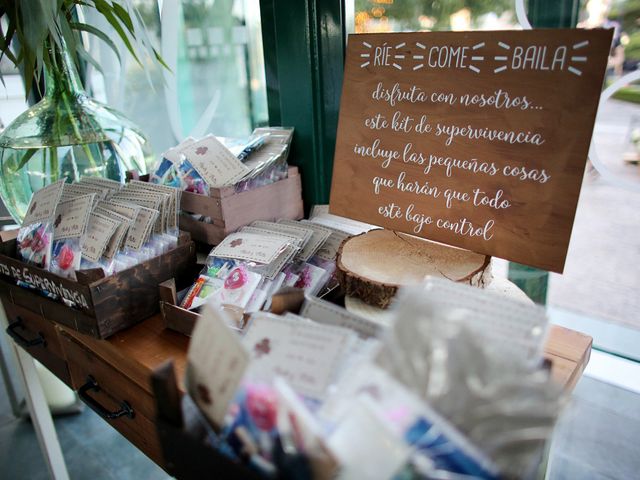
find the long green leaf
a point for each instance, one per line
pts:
(160, 59)
(98, 33)
(87, 57)
(106, 10)
(5, 41)
(27, 156)
(124, 17)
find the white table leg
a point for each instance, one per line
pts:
(38, 409)
(41, 416)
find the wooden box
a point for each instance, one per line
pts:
(102, 305)
(182, 320)
(175, 317)
(179, 319)
(229, 210)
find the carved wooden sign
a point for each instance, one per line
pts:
(474, 139)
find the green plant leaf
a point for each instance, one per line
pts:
(124, 17)
(5, 41)
(98, 33)
(87, 57)
(106, 10)
(160, 59)
(27, 156)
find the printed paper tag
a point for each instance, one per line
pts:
(43, 203)
(174, 199)
(217, 361)
(75, 189)
(173, 154)
(306, 355)
(331, 314)
(215, 163)
(319, 236)
(272, 269)
(251, 247)
(72, 217)
(294, 240)
(304, 234)
(151, 200)
(275, 267)
(103, 183)
(329, 249)
(99, 231)
(128, 210)
(118, 238)
(141, 229)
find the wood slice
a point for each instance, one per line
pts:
(372, 266)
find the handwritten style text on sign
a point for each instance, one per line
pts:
(474, 139)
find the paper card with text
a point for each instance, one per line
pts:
(252, 247)
(174, 153)
(118, 238)
(217, 361)
(303, 234)
(319, 235)
(43, 203)
(214, 162)
(71, 190)
(473, 139)
(139, 232)
(306, 355)
(72, 216)
(331, 314)
(100, 229)
(174, 199)
(329, 249)
(152, 200)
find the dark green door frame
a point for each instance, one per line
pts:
(553, 13)
(304, 45)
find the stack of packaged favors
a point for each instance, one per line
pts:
(454, 386)
(244, 271)
(98, 223)
(197, 166)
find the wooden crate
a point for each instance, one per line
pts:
(179, 319)
(102, 305)
(229, 210)
(175, 317)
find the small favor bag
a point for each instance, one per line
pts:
(70, 225)
(36, 234)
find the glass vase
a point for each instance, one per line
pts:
(66, 134)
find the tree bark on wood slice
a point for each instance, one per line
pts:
(372, 266)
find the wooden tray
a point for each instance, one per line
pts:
(102, 305)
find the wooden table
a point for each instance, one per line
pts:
(120, 368)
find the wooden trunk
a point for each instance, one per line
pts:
(372, 266)
(102, 305)
(229, 210)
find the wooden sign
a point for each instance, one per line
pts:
(474, 139)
